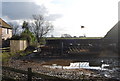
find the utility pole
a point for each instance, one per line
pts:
(82, 27)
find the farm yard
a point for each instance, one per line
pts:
(32, 51)
(74, 74)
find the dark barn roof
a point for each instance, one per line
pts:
(112, 35)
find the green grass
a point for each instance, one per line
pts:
(5, 48)
(6, 56)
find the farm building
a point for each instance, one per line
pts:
(5, 30)
(86, 44)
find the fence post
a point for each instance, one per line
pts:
(62, 48)
(29, 74)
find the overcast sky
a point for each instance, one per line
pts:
(67, 16)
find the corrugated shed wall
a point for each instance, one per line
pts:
(18, 45)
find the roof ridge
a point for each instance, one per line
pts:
(5, 23)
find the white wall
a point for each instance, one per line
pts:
(6, 33)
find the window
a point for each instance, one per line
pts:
(0, 23)
(7, 31)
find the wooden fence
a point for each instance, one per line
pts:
(12, 74)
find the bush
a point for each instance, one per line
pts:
(15, 37)
(26, 35)
(42, 41)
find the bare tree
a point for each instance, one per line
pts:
(15, 28)
(40, 27)
(66, 36)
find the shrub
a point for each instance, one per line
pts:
(15, 37)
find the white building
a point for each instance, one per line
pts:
(5, 30)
